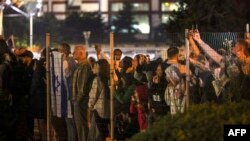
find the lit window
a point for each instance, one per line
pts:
(143, 23)
(59, 8)
(165, 18)
(116, 6)
(136, 6)
(90, 7)
(169, 6)
(142, 20)
(140, 7)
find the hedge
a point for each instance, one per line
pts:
(203, 122)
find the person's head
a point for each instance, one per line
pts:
(64, 48)
(91, 61)
(117, 54)
(160, 70)
(173, 53)
(102, 68)
(182, 54)
(136, 59)
(19, 51)
(125, 63)
(79, 53)
(241, 49)
(148, 59)
(27, 57)
(98, 48)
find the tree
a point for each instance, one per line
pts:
(47, 24)
(17, 26)
(76, 23)
(212, 15)
(124, 21)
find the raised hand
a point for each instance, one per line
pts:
(247, 38)
(196, 36)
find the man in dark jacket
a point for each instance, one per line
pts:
(81, 87)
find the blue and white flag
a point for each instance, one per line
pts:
(60, 104)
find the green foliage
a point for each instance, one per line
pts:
(47, 24)
(200, 123)
(212, 15)
(17, 26)
(76, 23)
(124, 20)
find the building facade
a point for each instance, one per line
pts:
(148, 13)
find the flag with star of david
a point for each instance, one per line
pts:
(60, 104)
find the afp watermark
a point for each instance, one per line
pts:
(236, 132)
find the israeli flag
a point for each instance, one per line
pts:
(60, 104)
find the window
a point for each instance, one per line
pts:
(143, 23)
(140, 7)
(142, 20)
(164, 18)
(59, 8)
(90, 7)
(169, 6)
(116, 7)
(136, 6)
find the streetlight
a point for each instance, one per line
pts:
(86, 35)
(32, 11)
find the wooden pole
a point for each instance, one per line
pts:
(48, 83)
(187, 68)
(1, 19)
(112, 84)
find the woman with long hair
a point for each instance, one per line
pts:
(99, 108)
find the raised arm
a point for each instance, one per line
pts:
(207, 49)
(193, 45)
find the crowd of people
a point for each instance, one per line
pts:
(145, 90)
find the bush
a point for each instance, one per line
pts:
(203, 122)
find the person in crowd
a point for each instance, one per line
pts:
(117, 60)
(126, 85)
(99, 102)
(201, 89)
(235, 69)
(117, 55)
(100, 54)
(29, 66)
(81, 86)
(38, 95)
(69, 65)
(174, 95)
(157, 105)
(126, 122)
(142, 72)
(6, 116)
(241, 50)
(138, 105)
(91, 61)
